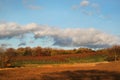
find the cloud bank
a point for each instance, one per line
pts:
(69, 37)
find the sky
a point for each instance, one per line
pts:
(59, 23)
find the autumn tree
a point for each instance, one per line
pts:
(47, 51)
(54, 52)
(37, 51)
(9, 55)
(84, 50)
(27, 51)
(2, 57)
(115, 52)
(20, 51)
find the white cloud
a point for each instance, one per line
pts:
(70, 37)
(90, 8)
(5, 45)
(87, 7)
(79, 37)
(31, 4)
(10, 30)
(84, 3)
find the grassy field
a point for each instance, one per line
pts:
(59, 59)
(83, 71)
(62, 67)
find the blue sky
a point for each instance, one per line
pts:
(100, 15)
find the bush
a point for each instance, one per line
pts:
(16, 64)
(112, 58)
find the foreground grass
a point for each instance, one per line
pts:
(102, 71)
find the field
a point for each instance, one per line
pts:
(58, 59)
(49, 64)
(76, 71)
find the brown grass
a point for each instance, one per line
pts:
(94, 71)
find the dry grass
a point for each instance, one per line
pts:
(94, 71)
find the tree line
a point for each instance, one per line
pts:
(7, 55)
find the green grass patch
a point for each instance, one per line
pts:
(42, 62)
(95, 58)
